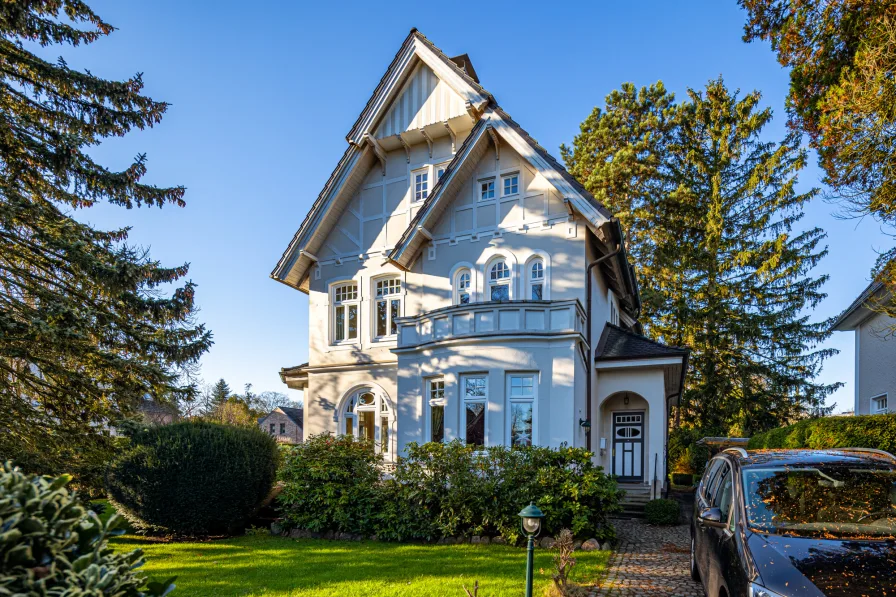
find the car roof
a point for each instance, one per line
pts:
(756, 458)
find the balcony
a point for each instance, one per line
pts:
(483, 320)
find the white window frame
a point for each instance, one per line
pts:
(436, 397)
(443, 167)
(522, 397)
(875, 410)
(386, 299)
(467, 400)
(423, 192)
(491, 283)
(505, 178)
(456, 286)
(380, 409)
(346, 304)
(531, 281)
(494, 191)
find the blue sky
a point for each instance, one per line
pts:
(263, 94)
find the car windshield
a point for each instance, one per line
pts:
(825, 500)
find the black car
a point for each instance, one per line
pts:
(796, 523)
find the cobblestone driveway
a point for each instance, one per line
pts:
(650, 561)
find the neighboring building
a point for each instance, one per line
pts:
(447, 267)
(284, 424)
(155, 413)
(875, 373)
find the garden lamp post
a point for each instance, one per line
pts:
(531, 523)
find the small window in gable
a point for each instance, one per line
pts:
(345, 312)
(536, 280)
(462, 287)
(499, 281)
(421, 185)
(387, 306)
(511, 184)
(486, 189)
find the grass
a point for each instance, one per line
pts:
(264, 565)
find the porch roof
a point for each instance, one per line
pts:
(617, 343)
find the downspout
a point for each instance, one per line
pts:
(588, 335)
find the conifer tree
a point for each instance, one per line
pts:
(85, 328)
(220, 393)
(712, 212)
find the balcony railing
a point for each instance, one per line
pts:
(491, 319)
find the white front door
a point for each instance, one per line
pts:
(628, 443)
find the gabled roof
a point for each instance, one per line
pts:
(617, 343)
(296, 415)
(846, 320)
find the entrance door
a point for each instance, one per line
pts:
(628, 441)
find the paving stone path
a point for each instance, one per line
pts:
(649, 561)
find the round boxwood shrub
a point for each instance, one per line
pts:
(51, 544)
(193, 478)
(662, 512)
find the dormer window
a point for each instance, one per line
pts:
(462, 287)
(387, 305)
(536, 280)
(345, 312)
(511, 184)
(486, 189)
(421, 185)
(499, 281)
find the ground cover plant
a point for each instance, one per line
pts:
(269, 566)
(443, 490)
(193, 478)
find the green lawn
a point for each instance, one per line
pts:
(259, 565)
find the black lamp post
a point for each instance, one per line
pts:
(531, 524)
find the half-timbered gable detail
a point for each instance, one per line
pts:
(459, 280)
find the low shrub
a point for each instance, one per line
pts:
(52, 545)
(662, 512)
(866, 431)
(685, 456)
(443, 490)
(193, 478)
(682, 479)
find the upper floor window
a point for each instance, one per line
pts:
(511, 184)
(345, 312)
(387, 305)
(421, 185)
(536, 280)
(437, 410)
(440, 171)
(486, 189)
(273, 428)
(499, 281)
(879, 404)
(282, 428)
(462, 287)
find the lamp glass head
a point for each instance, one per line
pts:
(531, 525)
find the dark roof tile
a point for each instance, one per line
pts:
(618, 343)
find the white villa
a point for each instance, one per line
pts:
(462, 285)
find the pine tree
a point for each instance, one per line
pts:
(85, 330)
(220, 393)
(711, 212)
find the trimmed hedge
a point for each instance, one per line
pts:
(193, 478)
(51, 544)
(662, 512)
(443, 490)
(866, 431)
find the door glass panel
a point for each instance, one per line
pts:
(366, 424)
(521, 424)
(475, 423)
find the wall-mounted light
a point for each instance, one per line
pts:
(625, 399)
(585, 424)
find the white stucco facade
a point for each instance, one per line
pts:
(446, 264)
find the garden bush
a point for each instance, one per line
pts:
(193, 478)
(51, 544)
(662, 512)
(444, 490)
(683, 479)
(867, 431)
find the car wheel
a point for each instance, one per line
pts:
(695, 573)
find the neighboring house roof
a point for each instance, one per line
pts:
(492, 121)
(617, 343)
(856, 312)
(296, 415)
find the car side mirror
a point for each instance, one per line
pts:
(711, 517)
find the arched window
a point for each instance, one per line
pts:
(499, 281)
(367, 416)
(536, 280)
(462, 287)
